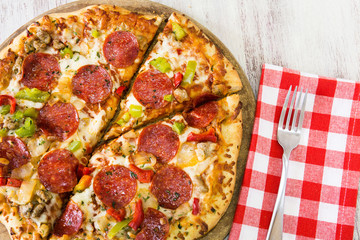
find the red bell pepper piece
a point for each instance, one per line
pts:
(209, 135)
(138, 216)
(3, 181)
(120, 90)
(84, 183)
(82, 170)
(178, 77)
(28, 33)
(144, 176)
(13, 182)
(88, 148)
(196, 207)
(179, 51)
(6, 99)
(79, 172)
(119, 215)
(87, 170)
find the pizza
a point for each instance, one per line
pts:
(61, 82)
(167, 106)
(184, 69)
(173, 178)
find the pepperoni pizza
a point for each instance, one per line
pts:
(61, 83)
(183, 70)
(172, 179)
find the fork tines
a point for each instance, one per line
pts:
(296, 124)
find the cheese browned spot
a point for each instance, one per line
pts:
(6, 65)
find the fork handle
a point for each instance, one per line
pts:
(276, 224)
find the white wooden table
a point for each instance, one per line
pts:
(316, 36)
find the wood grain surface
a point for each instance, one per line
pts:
(320, 37)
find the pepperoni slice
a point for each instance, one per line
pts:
(172, 187)
(60, 120)
(41, 71)
(70, 221)
(150, 87)
(202, 116)
(115, 186)
(204, 98)
(121, 48)
(92, 83)
(15, 151)
(57, 171)
(160, 140)
(154, 227)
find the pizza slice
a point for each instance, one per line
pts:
(171, 179)
(73, 68)
(184, 69)
(61, 81)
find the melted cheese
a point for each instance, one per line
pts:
(167, 47)
(90, 125)
(52, 209)
(86, 51)
(131, 100)
(51, 212)
(107, 156)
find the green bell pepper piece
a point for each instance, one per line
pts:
(66, 51)
(189, 73)
(27, 130)
(32, 94)
(161, 64)
(124, 119)
(121, 122)
(117, 227)
(135, 111)
(126, 116)
(178, 127)
(178, 31)
(74, 145)
(5, 109)
(31, 112)
(169, 98)
(18, 115)
(95, 33)
(3, 132)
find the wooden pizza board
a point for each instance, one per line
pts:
(223, 227)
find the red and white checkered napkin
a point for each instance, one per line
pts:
(324, 170)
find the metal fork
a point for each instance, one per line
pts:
(288, 137)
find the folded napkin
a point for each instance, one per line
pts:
(324, 170)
